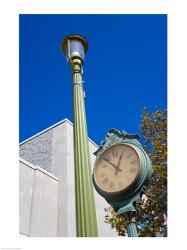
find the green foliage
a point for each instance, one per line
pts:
(153, 208)
(116, 221)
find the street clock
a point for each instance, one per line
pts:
(122, 169)
(117, 169)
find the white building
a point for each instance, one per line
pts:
(47, 191)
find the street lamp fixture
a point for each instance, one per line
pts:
(75, 47)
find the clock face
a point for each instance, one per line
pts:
(117, 169)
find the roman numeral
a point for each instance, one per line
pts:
(105, 181)
(111, 186)
(129, 179)
(108, 158)
(129, 155)
(133, 170)
(115, 153)
(102, 175)
(133, 162)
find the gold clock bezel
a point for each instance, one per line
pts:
(134, 147)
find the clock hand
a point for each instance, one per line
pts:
(117, 167)
(111, 163)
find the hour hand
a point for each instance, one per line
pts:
(119, 162)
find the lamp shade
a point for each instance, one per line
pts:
(77, 47)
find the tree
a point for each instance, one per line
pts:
(152, 217)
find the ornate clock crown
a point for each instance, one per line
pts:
(115, 136)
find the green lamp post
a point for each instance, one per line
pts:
(74, 47)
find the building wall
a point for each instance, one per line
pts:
(38, 201)
(57, 157)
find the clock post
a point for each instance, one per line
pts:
(121, 173)
(130, 220)
(129, 214)
(74, 47)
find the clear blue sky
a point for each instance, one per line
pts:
(125, 70)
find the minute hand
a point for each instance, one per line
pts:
(111, 163)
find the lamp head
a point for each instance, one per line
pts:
(74, 46)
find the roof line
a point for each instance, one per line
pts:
(31, 165)
(53, 126)
(45, 130)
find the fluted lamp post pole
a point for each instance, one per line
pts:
(74, 47)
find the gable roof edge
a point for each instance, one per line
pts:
(51, 127)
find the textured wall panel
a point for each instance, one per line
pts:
(38, 150)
